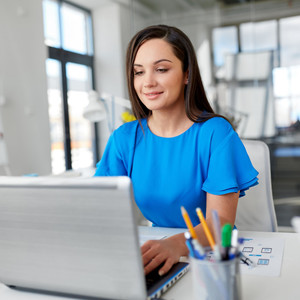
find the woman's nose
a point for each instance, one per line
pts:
(149, 80)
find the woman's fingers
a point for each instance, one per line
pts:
(159, 252)
(153, 264)
(151, 254)
(146, 246)
(166, 267)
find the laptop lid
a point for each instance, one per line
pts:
(75, 236)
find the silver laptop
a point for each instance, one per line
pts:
(74, 237)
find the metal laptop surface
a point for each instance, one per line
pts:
(73, 236)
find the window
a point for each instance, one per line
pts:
(287, 76)
(55, 103)
(75, 23)
(258, 36)
(287, 95)
(225, 41)
(51, 23)
(280, 36)
(79, 82)
(289, 41)
(68, 35)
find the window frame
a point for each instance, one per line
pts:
(64, 57)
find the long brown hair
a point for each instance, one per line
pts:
(197, 106)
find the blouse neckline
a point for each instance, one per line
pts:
(167, 138)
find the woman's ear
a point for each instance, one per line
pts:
(186, 81)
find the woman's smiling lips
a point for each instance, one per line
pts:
(153, 95)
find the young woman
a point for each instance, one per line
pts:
(178, 152)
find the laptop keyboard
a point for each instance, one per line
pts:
(153, 277)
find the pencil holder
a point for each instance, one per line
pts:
(216, 280)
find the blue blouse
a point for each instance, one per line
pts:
(168, 173)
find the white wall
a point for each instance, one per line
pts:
(113, 28)
(23, 83)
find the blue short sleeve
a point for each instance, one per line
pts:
(118, 155)
(111, 163)
(230, 168)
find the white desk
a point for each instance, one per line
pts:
(287, 286)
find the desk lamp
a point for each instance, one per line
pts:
(97, 109)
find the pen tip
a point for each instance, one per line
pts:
(183, 209)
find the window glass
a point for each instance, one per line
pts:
(258, 36)
(287, 90)
(51, 23)
(53, 69)
(283, 112)
(281, 82)
(75, 28)
(79, 84)
(295, 111)
(289, 41)
(224, 42)
(295, 76)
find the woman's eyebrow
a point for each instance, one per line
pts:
(155, 63)
(161, 60)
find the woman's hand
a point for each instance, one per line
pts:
(167, 252)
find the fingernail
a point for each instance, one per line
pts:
(161, 273)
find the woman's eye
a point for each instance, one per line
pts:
(162, 70)
(137, 73)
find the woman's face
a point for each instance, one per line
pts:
(158, 77)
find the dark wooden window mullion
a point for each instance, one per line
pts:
(95, 141)
(67, 134)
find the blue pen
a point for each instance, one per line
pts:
(198, 249)
(189, 242)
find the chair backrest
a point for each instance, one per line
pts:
(255, 210)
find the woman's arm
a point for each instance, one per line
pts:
(169, 250)
(225, 205)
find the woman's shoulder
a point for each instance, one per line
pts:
(128, 128)
(215, 131)
(217, 122)
(215, 125)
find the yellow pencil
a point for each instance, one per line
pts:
(205, 228)
(188, 223)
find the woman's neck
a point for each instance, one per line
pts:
(169, 125)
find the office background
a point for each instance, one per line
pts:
(41, 124)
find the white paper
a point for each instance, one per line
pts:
(266, 253)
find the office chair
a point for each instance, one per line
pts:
(255, 210)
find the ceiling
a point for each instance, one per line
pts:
(166, 6)
(230, 10)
